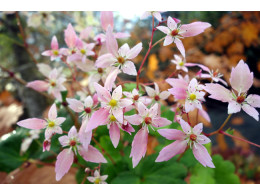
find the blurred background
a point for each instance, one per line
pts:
(233, 36)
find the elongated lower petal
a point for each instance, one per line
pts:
(202, 155)
(172, 134)
(98, 118)
(139, 146)
(114, 133)
(32, 123)
(171, 150)
(92, 155)
(63, 163)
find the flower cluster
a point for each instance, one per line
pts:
(106, 102)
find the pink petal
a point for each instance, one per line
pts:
(150, 91)
(168, 40)
(106, 19)
(54, 43)
(75, 105)
(172, 134)
(218, 92)
(164, 29)
(251, 111)
(180, 83)
(117, 93)
(202, 155)
(124, 103)
(160, 122)
(241, 78)
(32, 123)
(180, 46)
(114, 133)
(121, 35)
(142, 109)
(171, 150)
(129, 68)
(202, 139)
(253, 100)
(185, 126)
(85, 137)
(164, 95)
(110, 80)
(47, 53)
(197, 129)
(102, 93)
(171, 23)
(92, 155)
(85, 33)
(52, 115)
(139, 146)
(118, 113)
(38, 85)
(123, 50)
(134, 51)
(233, 107)
(105, 60)
(64, 140)
(64, 161)
(135, 119)
(178, 93)
(59, 120)
(72, 132)
(128, 128)
(98, 118)
(111, 42)
(158, 16)
(193, 29)
(70, 36)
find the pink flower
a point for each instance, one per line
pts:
(82, 51)
(175, 33)
(110, 104)
(192, 93)
(146, 117)
(182, 65)
(55, 52)
(97, 179)
(52, 124)
(65, 157)
(241, 80)
(70, 37)
(54, 85)
(136, 97)
(213, 75)
(191, 137)
(107, 20)
(156, 14)
(156, 94)
(121, 57)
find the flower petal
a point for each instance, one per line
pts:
(233, 107)
(139, 146)
(52, 114)
(75, 105)
(251, 111)
(38, 85)
(111, 42)
(168, 40)
(32, 123)
(164, 29)
(70, 36)
(107, 19)
(180, 46)
(54, 43)
(160, 122)
(92, 155)
(103, 93)
(172, 134)
(218, 92)
(134, 51)
(202, 155)
(64, 161)
(98, 118)
(185, 126)
(197, 129)
(114, 133)
(253, 100)
(105, 60)
(171, 150)
(118, 113)
(117, 93)
(129, 68)
(110, 80)
(171, 23)
(241, 78)
(193, 29)
(135, 119)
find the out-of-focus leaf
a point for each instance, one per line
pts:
(126, 178)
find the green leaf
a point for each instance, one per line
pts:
(130, 86)
(64, 95)
(126, 177)
(230, 131)
(224, 173)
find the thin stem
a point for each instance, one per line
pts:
(238, 138)
(24, 37)
(145, 57)
(160, 40)
(221, 127)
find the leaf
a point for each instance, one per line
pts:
(126, 178)
(130, 86)
(224, 173)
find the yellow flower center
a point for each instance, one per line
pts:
(51, 124)
(83, 51)
(55, 52)
(181, 63)
(192, 96)
(113, 103)
(97, 181)
(112, 118)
